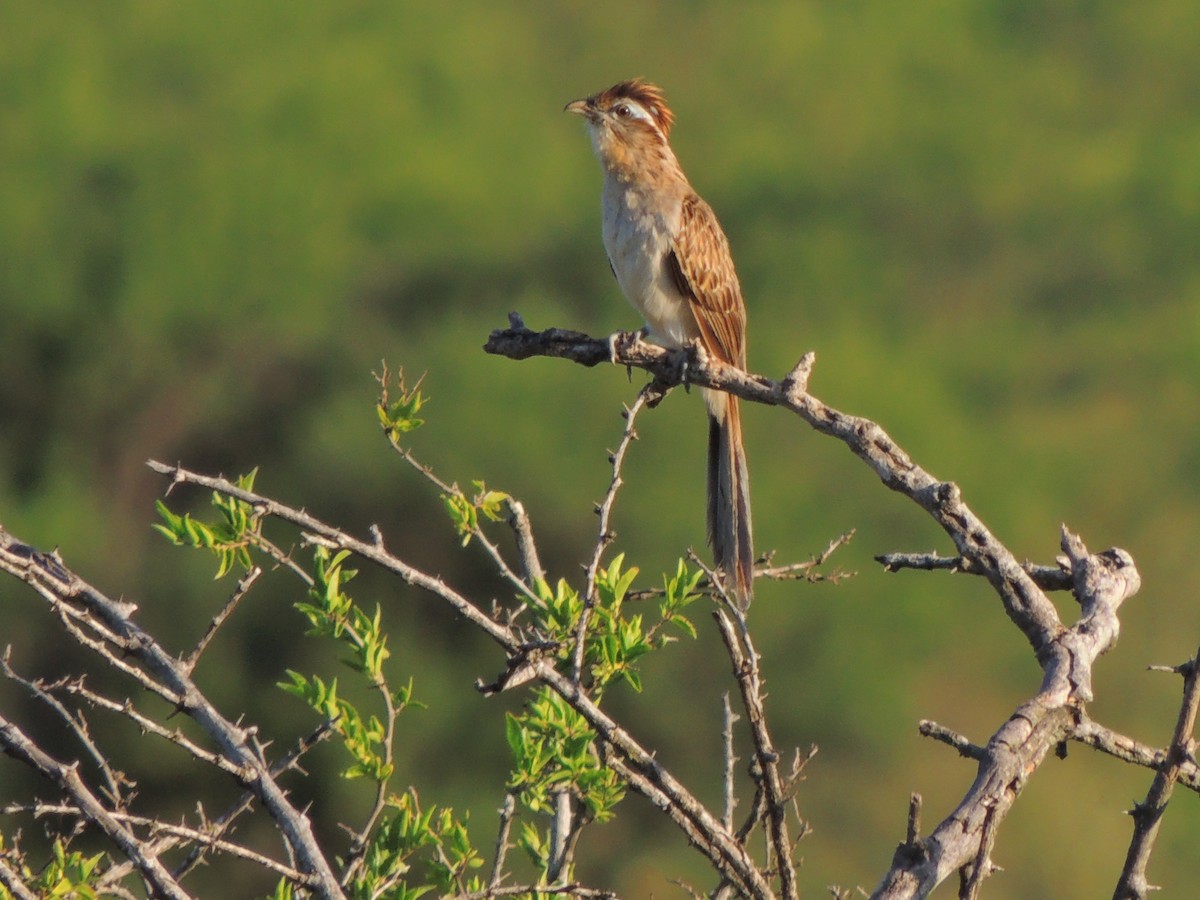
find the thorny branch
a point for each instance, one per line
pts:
(66, 776)
(605, 536)
(125, 645)
(1147, 815)
(645, 774)
(766, 762)
(960, 843)
(1100, 583)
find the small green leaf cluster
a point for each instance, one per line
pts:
(432, 843)
(431, 846)
(553, 750)
(614, 642)
(363, 737)
(679, 591)
(333, 614)
(230, 539)
(553, 746)
(464, 512)
(70, 876)
(399, 416)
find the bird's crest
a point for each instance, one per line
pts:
(649, 96)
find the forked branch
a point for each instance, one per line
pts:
(1100, 583)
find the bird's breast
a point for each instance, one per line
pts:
(638, 234)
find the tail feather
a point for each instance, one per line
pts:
(729, 527)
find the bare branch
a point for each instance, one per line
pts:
(981, 866)
(746, 671)
(728, 718)
(243, 587)
(176, 833)
(643, 772)
(223, 822)
(148, 725)
(560, 834)
(952, 739)
(507, 811)
(67, 591)
(75, 723)
(808, 569)
(1101, 583)
(1012, 755)
(605, 536)
(535, 890)
(1147, 815)
(913, 832)
(1125, 748)
(66, 777)
(1048, 578)
(14, 882)
(518, 520)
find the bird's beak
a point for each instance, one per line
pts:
(579, 107)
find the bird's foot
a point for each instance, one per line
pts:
(621, 341)
(692, 353)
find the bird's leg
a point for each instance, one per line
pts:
(656, 392)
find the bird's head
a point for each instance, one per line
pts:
(626, 122)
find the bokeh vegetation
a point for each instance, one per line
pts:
(216, 220)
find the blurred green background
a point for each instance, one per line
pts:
(216, 219)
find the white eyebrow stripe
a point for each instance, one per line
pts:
(638, 111)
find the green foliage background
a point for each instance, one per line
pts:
(216, 219)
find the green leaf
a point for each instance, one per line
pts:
(490, 503)
(462, 515)
(398, 417)
(515, 735)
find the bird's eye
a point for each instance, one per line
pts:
(621, 111)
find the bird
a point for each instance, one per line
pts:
(673, 263)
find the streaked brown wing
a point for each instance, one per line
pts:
(702, 268)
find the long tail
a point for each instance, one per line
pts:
(729, 529)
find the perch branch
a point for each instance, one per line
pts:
(1100, 583)
(1023, 600)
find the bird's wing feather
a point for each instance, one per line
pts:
(701, 267)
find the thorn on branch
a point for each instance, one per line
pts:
(1185, 669)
